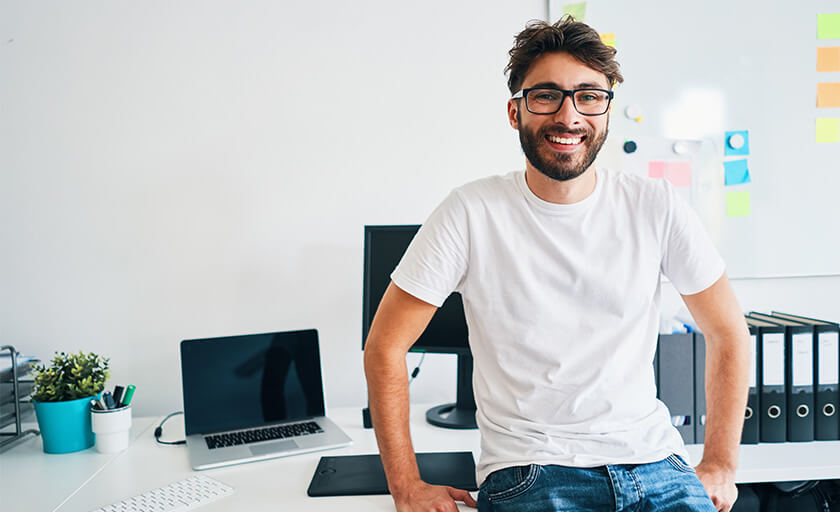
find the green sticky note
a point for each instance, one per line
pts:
(738, 204)
(828, 26)
(828, 129)
(577, 11)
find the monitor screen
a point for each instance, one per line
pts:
(251, 380)
(384, 247)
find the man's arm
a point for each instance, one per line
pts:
(721, 320)
(399, 321)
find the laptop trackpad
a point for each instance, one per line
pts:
(276, 447)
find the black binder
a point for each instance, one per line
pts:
(699, 388)
(676, 381)
(355, 475)
(750, 434)
(826, 375)
(772, 417)
(799, 377)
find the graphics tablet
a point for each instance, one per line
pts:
(355, 475)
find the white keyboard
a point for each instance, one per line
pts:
(183, 495)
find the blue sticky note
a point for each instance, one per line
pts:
(736, 172)
(729, 150)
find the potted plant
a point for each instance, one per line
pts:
(62, 396)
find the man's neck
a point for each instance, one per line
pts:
(560, 192)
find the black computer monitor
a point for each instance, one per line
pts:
(446, 332)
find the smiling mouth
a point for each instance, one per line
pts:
(564, 140)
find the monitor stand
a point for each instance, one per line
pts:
(461, 414)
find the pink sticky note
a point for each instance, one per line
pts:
(656, 169)
(678, 173)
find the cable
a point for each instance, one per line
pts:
(416, 369)
(159, 430)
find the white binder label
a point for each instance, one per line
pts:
(802, 362)
(774, 359)
(829, 355)
(753, 342)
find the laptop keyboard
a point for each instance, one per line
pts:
(262, 434)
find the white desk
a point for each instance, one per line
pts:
(33, 480)
(86, 480)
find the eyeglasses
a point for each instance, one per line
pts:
(544, 101)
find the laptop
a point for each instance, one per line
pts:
(254, 397)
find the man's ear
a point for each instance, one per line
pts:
(513, 110)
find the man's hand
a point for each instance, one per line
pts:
(719, 483)
(422, 497)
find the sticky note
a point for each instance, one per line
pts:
(828, 26)
(728, 150)
(738, 204)
(736, 172)
(828, 129)
(608, 39)
(828, 95)
(828, 59)
(678, 173)
(656, 169)
(577, 11)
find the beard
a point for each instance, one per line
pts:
(559, 166)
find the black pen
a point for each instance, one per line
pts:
(118, 391)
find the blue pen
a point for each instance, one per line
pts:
(108, 398)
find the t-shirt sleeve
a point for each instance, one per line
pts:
(435, 263)
(689, 260)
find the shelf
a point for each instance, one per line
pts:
(781, 462)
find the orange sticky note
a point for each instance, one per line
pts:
(828, 95)
(828, 58)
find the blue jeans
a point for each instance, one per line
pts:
(667, 485)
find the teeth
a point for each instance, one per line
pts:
(563, 140)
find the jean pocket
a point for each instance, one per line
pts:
(680, 464)
(509, 483)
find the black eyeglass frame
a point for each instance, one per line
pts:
(523, 93)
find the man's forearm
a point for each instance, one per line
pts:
(727, 375)
(389, 408)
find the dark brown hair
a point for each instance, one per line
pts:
(566, 35)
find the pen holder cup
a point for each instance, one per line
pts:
(111, 428)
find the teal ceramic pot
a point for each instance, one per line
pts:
(65, 426)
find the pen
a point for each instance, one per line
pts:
(118, 391)
(129, 392)
(109, 400)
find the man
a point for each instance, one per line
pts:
(559, 268)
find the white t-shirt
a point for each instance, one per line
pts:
(562, 308)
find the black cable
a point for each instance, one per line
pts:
(159, 430)
(416, 369)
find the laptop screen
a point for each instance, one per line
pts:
(249, 381)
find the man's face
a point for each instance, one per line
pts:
(561, 145)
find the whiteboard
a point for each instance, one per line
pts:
(696, 70)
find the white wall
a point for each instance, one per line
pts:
(173, 170)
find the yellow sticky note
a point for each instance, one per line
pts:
(608, 39)
(738, 204)
(828, 58)
(577, 11)
(828, 95)
(828, 26)
(828, 129)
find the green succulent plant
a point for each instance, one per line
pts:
(70, 377)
